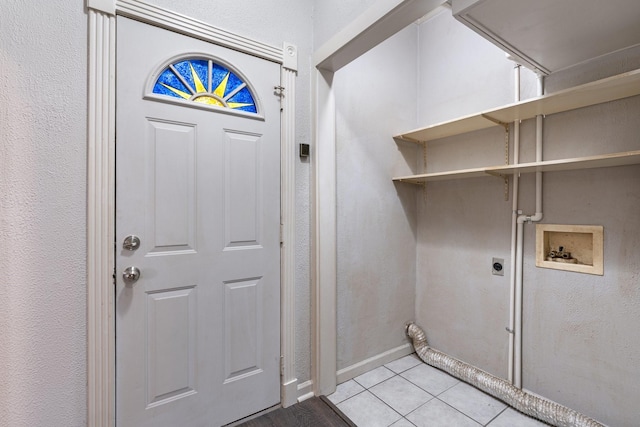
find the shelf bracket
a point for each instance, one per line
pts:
(424, 169)
(506, 160)
(496, 174)
(420, 183)
(506, 153)
(405, 138)
(424, 156)
(506, 189)
(496, 121)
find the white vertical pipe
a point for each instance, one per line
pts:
(517, 375)
(514, 217)
(517, 330)
(539, 154)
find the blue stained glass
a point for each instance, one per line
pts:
(184, 69)
(244, 97)
(168, 78)
(219, 72)
(202, 70)
(234, 82)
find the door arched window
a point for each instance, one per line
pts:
(203, 82)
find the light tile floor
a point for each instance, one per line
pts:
(410, 393)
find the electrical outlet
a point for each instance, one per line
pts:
(497, 267)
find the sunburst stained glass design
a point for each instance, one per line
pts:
(207, 82)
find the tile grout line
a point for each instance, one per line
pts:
(395, 374)
(410, 412)
(436, 396)
(399, 373)
(459, 411)
(385, 403)
(497, 415)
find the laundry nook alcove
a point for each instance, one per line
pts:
(570, 247)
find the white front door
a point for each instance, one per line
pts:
(198, 182)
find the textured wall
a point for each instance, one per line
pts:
(331, 16)
(460, 72)
(581, 340)
(42, 214)
(375, 99)
(580, 331)
(463, 223)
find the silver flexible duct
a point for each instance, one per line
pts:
(534, 406)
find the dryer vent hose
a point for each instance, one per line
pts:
(527, 403)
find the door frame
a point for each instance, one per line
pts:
(376, 24)
(101, 189)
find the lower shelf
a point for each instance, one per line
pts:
(590, 162)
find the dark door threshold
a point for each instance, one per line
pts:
(314, 412)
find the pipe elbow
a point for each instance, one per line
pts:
(537, 217)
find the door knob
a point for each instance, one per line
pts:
(131, 274)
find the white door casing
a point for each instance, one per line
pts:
(101, 188)
(198, 334)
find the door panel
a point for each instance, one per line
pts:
(242, 310)
(172, 184)
(243, 204)
(171, 345)
(198, 335)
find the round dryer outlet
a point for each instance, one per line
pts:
(497, 267)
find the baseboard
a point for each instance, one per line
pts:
(305, 391)
(289, 393)
(373, 362)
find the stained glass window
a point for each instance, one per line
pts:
(207, 82)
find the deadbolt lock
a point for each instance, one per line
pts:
(131, 243)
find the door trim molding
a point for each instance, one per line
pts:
(324, 253)
(100, 220)
(187, 26)
(101, 189)
(382, 20)
(289, 385)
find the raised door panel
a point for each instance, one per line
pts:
(242, 334)
(243, 198)
(171, 184)
(171, 345)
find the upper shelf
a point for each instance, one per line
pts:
(590, 162)
(600, 161)
(600, 91)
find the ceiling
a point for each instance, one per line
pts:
(551, 35)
